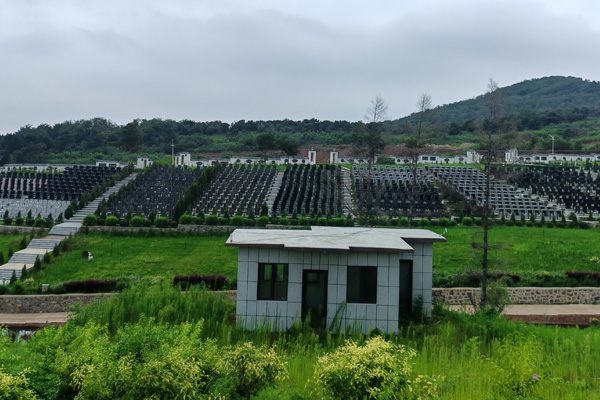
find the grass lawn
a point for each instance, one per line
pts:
(519, 249)
(515, 249)
(11, 240)
(116, 257)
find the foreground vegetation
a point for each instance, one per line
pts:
(151, 341)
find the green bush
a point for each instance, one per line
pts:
(237, 220)
(186, 219)
(322, 221)
(444, 222)
(19, 221)
(517, 363)
(161, 222)
(249, 222)
(15, 387)
(211, 219)
(424, 222)
(112, 221)
(199, 220)
(7, 221)
(466, 221)
(40, 222)
(303, 221)
(251, 368)
(90, 220)
(403, 221)
(124, 223)
(379, 369)
(262, 221)
(136, 221)
(284, 221)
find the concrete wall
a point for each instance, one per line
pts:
(526, 295)
(252, 313)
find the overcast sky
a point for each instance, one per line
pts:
(272, 59)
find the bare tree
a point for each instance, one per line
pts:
(490, 127)
(422, 118)
(367, 141)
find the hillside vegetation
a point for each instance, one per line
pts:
(563, 106)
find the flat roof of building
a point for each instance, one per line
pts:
(334, 238)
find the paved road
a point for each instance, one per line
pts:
(32, 320)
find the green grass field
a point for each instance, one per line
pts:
(10, 240)
(116, 257)
(515, 249)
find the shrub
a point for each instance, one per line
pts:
(237, 220)
(213, 282)
(303, 221)
(583, 225)
(379, 369)
(529, 224)
(322, 221)
(466, 221)
(516, 364)
(7, 221)
(90, 286)
(147, 223)
(223, 221)
(90, 220)
(284, 221)
(161, 222)
(424, 222)
(252, 368)
(19, 221)
(15, 386)
(112, 221)
(262, 221)
(172, 224)
(249, 222)
(136, 221)
(199, 220)
(339, 222)
(40, 222)
(211, 220)
(30, 222)
(402, 221)
(186, 219)
(443, 222)
(124, 222)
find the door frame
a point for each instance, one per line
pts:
(304, 310)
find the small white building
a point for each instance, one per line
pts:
(363, 277)
(513, 156)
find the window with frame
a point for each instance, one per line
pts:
(272, 281)
(361, 285)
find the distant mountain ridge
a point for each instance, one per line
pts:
(548, 93)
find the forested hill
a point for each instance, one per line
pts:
(543, 94)
(565, 107)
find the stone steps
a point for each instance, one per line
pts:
(73, 224)
(274, 189)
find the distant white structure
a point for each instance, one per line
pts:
(107, 163)
(472, 157)
(143, 162)
(512, 156)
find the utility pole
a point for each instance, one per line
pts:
(552, 143)
(172, 152)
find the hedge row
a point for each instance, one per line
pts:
(443, 279)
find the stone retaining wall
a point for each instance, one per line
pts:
(525, 295)
(51, 303)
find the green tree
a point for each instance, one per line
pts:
(265, 143)
(129, 139)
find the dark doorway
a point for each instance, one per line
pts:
(314, 297)
(406, 279)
